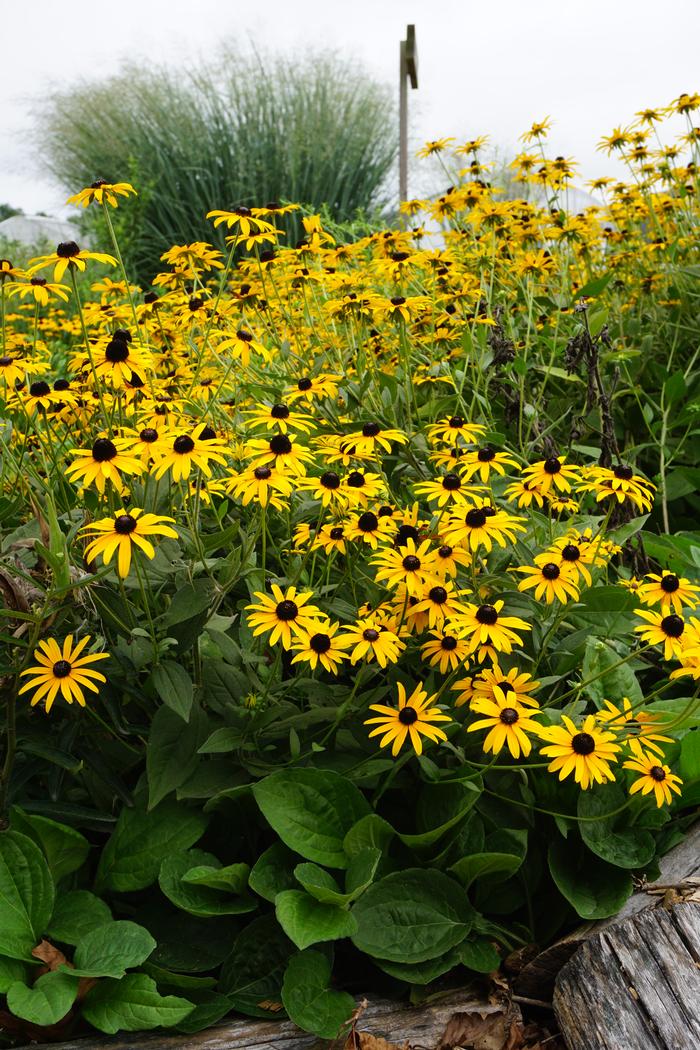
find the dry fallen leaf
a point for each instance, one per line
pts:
(367, 1041)
(52, 957)
(496, 1030)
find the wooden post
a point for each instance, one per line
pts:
(408, 70)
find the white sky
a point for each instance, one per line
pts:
(484, 67)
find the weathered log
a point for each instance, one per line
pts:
(635, 985)
(442, 1024)
(679, 879)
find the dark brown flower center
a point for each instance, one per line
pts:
(367, 522)
(550, 571)
(583, 744)
(124, 524)
(487, 615)
(279, 412)
(304, 384)
(244, 336)
(262, 473)
(448, 643)
(456, 422)
(117, 350)
(407, 716)
(287, 610)
(370, 430)
(672, 626)
(207, 434)
(280, 445)
(149, 435)
(445, 551)
(486, 454)
(552, 465)
(438, 595)
(320, 643)
(411, 563)
(183, 444)
(39, 389)
(451, 482)
(370, 635)
(61, 669)
(103, 450)
(570, 552)
(336, 532)
(330, 480)
(356, 479)
(657, 773)
(624, 473)
(509, 716)
(67, 249)
(670, 583)
(475, 518)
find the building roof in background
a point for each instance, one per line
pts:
(36, 229)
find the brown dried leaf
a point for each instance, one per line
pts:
(495, 1030)
(52, 957)
(367, 1041)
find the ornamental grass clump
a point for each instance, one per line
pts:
(350, 634)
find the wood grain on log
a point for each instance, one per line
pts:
(635, 985)
(430, 1027)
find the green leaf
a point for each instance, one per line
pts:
(198, 900)
(141, 840)
(613, 684)
(412, 916)
(132, 1004)
(690, 757)
(594, 288)
(64, 848)
(593, 888)
(442, 807)
(308, 1000)
(112, 949)
(312, 811)
(233, 878)
(674, 388)
(479, 954)
(210, 1007)
(371, 831)
(188, 602)
(26, 895)
(273, 872)
(222, 741)
(76, 914)
(627, 847)
(186, 943)
(307, 921)
(11, 970)
(252, 974)
(47, 1001)
(476, 866)
(424, 972)
(361, 871)
(319, 883)
(171, 756)
(174, 687)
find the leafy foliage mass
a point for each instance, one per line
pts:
(242, 130)
(348, 634)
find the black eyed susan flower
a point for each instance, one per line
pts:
(281, 452)
(372, 640)
(38, 289)
(359, 487)
(282, 417)
(103, 192)
(631, 725)
(312, 388)
(449, 559)
(194, 450)
(654, 776)
(149, 443)
(552, 473)
(489, 631)
(193, 258)
(485, 461)
(415, 717)
(550, 581)
(452, 429)
(561, 503)
(328, 488)
(480, 526)
(40, 397)
(446, 651)
(434, 146)
(117, 360)
(263, 485)
(12, 370)
(662, 630)
(105, 462)
(573, 558)
(411, 565)
(62, 669)
(619, 483)
(369, 528)
(669, 591)
(524, 493)
(330, 538)
(67, 255)
(690, 660)
(440, 602)
(286, 615)
(447, 490)
(126, 530)
(586, 752)
(508, 723)
(514, 684)
(321, 646)
(243, 219)
(373, 437)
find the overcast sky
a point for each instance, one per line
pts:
(484, 67)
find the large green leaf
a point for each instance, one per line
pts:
(171, 756)
(65, 848)
(132, 1004)
(476, 866)
(141, 840)
(412, 916)
(198, 899)
(252, 975)
(441, 807)
(307, 921)
(424, 972)
(273, 872)
(310, 1002)
(26, 895)
(625, 846)
(372, 832)
(604, 684)
(312, 811)
(112, 949)
(593, 888)
(11, 970)
(47, 1001)
(75, 914)
(174, 687)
